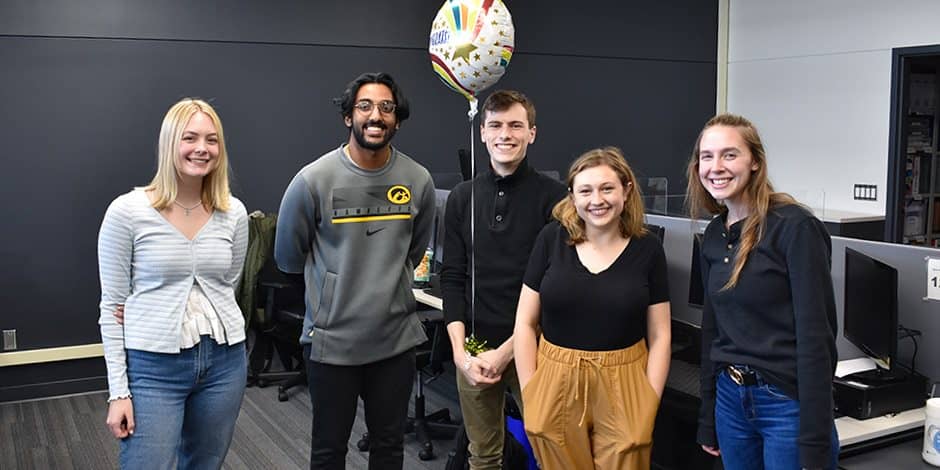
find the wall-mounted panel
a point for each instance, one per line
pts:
(82, 115)
(85, 85)
(604, 28)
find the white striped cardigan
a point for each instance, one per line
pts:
(148, 265)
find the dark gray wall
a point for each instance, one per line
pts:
(84, 86)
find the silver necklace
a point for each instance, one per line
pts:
(187, 210)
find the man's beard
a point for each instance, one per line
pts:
(359, 135)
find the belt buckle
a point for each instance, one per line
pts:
(736, 375)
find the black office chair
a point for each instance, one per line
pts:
(279, 330)
(429, 361)
(657, 230)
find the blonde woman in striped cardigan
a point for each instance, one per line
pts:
(170, 255)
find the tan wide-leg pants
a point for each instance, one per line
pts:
(590, 409)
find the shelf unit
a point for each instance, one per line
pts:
(920, 189)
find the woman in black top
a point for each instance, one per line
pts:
(596, 287)
(769, 319)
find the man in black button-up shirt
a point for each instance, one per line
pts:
(511, 204)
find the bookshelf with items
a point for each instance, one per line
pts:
(922, 164)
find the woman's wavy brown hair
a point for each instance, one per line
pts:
(759, 193)
(631, 219)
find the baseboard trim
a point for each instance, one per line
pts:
(53, 397)
(39, 391)
(39, 356)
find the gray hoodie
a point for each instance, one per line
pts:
(356, 235)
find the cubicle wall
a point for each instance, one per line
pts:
(913, 311)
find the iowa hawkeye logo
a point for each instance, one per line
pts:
(371, 203)
(398, 194)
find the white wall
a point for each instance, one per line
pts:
(815, 77)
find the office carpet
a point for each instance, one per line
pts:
(69, 432)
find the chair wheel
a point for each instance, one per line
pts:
(363, 444)
(282, 395)
(262, 383)
(427, 453)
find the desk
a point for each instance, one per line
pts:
(845, 217)
(852, 224)
(428, 299)
(905, 455)
(853, 431)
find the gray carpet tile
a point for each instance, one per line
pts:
(69, 432)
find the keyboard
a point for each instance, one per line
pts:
(684, 377)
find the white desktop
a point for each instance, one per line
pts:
(428, 299)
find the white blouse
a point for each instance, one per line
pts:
(199, 319)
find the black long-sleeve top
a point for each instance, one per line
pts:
(510, 211)
(780, 319)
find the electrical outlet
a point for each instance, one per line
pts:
(866, 192)
(9, 340)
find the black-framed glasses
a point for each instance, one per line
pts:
(386, 107)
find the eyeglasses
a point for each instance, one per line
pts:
(386, 107)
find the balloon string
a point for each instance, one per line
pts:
(473, 273)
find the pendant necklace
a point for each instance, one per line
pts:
(187, 210)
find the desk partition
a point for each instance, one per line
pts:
(913, 311)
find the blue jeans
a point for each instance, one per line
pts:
(185, 406)
(758, 427)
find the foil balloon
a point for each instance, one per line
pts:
(471, 44)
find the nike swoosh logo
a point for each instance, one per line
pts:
(369, 233)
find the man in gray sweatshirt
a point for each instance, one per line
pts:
(355, 222)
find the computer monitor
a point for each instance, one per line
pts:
(696, 288)
(437, 237)
(431, 277)
(870, 316)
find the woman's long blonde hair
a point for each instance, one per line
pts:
(631, 219)
(759, 193)
(215, 186)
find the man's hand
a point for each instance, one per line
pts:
(475, 370)
(121, 418)
(119, 314)
(497, 359)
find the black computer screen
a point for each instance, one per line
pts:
(437, 238)
(696, 289)
(870, 317)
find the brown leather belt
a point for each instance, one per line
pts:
(742, 376)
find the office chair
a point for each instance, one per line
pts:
(279, 330)
(429, 360)
(657, 230)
